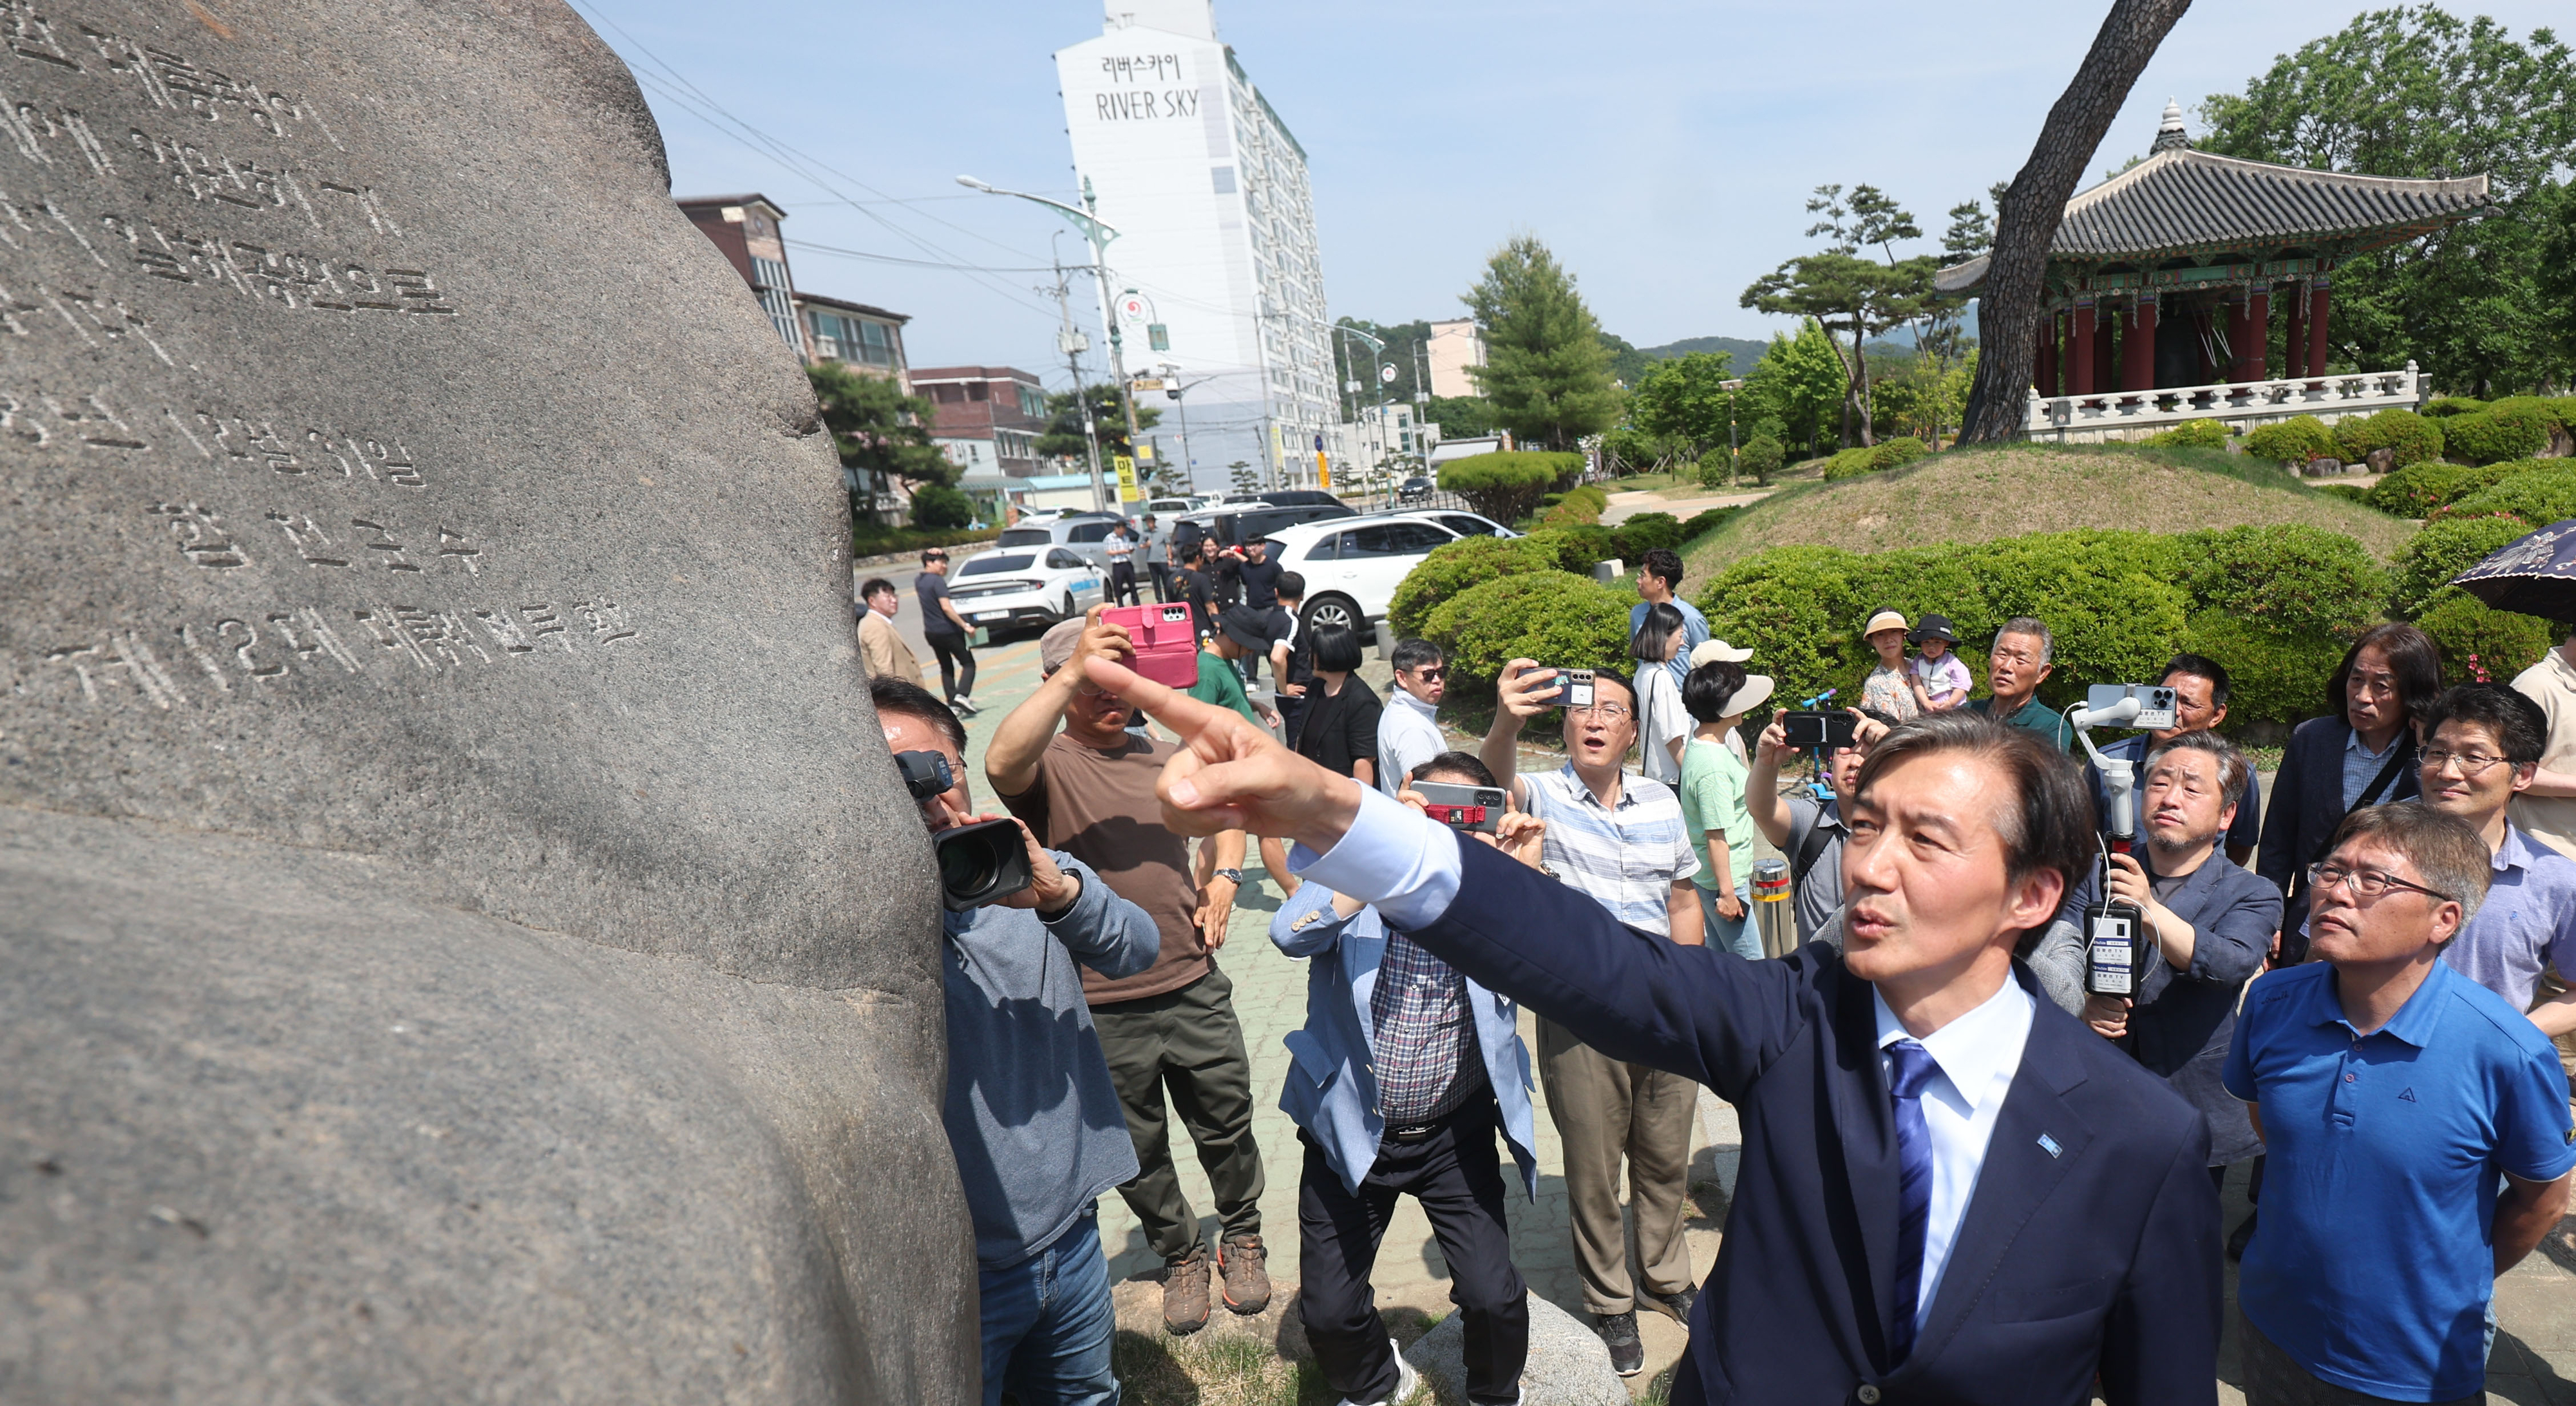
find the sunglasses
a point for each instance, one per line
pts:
(1431, 675)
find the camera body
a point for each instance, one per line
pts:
(1827, 730)
(980, 863)
(2155, 705)
(1478, 808)
(1573, 689)
(1166, 640)
(925, 774)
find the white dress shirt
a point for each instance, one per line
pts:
(1407, 736)
(1978, 1054)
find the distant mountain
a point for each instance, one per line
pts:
(1746, 353)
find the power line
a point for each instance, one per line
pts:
(917, 263)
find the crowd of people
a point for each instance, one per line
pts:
(1972, 1169)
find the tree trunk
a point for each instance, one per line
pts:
(2008, 308)
(1868, 407)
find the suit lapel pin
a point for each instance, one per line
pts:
(2049, 1145)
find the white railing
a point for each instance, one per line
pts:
(2114, 415)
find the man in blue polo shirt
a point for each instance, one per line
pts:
(2396, 1096)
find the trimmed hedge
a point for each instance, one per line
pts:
(1701, 524)
(2415, 439)
(1456, 567)
(2349, 492)
(2119, 603)
(2425, 489)
(866, 541)
(1875, 458)
(1506, 485)
(2478, 639)
(1761, 458)
(1631, 540)
(1554, 617)
(2292, 441)
(2193, 434)
(1578, 507)
(1578, 549)
(2444, 549)
(2538, 496)
(2444, 407)
(2273, 677)
(2515, 429)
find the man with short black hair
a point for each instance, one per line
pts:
(1030, 1111)
(1408, 732)
(2201, 687)
(2015, 668)
(1292, 655)
(2482, 743)
(1155, 546)
(946, 632)
(2396, 1097)
(1947, 1191)
(1809, 833)
(1659, 582)
(1119, 549)
(1257, 576)
(881, 648)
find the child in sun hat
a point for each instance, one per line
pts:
(1889, 688)
(1940, 677)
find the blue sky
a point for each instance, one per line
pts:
(1663, 150)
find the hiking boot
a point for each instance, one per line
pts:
(1247, 1284)
(1185, 1295)
(1619, 1333)
(1678, 1303)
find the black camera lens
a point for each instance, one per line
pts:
(980, 863)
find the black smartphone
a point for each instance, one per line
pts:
(1463, 807)
(1827, 730)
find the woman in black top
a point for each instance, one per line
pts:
(1340, 729)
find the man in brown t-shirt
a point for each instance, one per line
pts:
(1089, 790)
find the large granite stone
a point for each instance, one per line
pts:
(461, 937)
(1568, 1365)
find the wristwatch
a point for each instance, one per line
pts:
(1231, 876)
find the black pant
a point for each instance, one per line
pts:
(1161, 571)
(956, 664)
(1122, 582)
(1456, 1173)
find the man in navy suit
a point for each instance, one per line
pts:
(1951, 1191)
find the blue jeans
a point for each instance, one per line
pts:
(1047, 1324)
(1742, 937)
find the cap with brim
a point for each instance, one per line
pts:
(1884, 620)
(1717, 652)
(1057, 645)
(1756, 692)
(1245, 627)
(1934, 627)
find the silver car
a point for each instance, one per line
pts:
(1082, 533)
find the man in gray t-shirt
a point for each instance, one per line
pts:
(1153, 548)
(1808, 831)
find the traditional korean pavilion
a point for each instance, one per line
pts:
(2166, 278)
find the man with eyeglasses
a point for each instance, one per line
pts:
(1408, 732)
(2417, 1125)
(1620, 840)
(2486, 744)
(2015, 668)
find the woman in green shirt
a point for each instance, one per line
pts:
(1717, 695)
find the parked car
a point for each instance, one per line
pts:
(1288, 497)
(1234, 524)
(1462, 522)
(1083, 532)
(1169, 508)
(1036, 585)
(1414, 489)
(1352, 568)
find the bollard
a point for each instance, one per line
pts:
(1772, 916)
(1386, 641)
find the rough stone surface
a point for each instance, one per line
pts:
(2381, 460)
(464, 940)
(1568, 1366)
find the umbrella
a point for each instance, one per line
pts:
(2534, 575)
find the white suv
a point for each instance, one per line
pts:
(1352, 565)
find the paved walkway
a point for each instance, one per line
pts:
(2535, 1353)
(1623, 506)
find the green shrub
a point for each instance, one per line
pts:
(1701, 524)
(1505, 485)
(1897, 453)
(2538, 496)
(2415, 491)
(2415, 439)
(1460, 566)
(1712, 471)
(2447, 406)
(1850, 463)
(1645, 532)
(2293, 441)
(2349, 492)
(2550, 409)
(2193, 434)
(1551, 616)
(1761, 458)
(870, 540)
(2478, 639)
(1577, 507)
(2443, 550)
(1578, 549)
(2274, 677)
(2509, 431)
(938, 507)
(2287, 577)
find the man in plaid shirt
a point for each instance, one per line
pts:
(1403, 1074)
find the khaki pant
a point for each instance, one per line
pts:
(1604, 1111)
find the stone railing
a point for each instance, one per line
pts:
(2119, 415)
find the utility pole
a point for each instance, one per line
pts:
(1088, 224)
(1071, 343)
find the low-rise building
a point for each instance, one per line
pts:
(988, 418)
(745, 229)
(863, 338)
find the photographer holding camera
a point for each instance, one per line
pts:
(1030, 1111)
(1402, 1076)
(1809, 832)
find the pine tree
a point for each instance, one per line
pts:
(1546, 372)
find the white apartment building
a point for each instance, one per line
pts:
(1208, 191)
(1455, 346)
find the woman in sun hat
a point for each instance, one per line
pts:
(1714, 813)
(1940, 677)
(1720, 652)
(1889, 688)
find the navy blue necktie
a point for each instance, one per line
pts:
(1911, 1067)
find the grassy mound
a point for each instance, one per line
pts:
(1980, 494)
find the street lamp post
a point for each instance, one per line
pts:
(1099, 235)
(1189, 469)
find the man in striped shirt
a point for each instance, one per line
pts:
(1619, 838)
